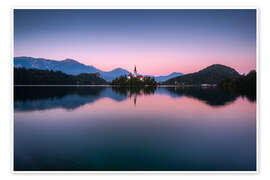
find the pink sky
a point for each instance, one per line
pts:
(158, 42)
(160, 63)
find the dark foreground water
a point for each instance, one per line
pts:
(104, 128)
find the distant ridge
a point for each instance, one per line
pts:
(70, 61)
(73, 67)
(68, 66)
(213, 74)
(165, 78)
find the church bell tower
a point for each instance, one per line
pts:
(135, 71)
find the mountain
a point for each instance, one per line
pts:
(73, 67)
(68, 66)
(111, 75)
(213, 74)
(165, 78)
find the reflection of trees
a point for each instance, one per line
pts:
(40, 98)
(134, 91)
(147, 90)
(251, 96)
(241, 86)
(46, 92)
(210, 96)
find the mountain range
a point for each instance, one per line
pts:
(73, 67)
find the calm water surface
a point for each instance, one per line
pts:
(105, 128)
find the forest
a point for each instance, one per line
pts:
(23, 76)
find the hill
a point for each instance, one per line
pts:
(213, 74)
(24, 76)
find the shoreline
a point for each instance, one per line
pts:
(99, 85)
(62, 85)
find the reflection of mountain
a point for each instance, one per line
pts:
(211, 96)
(40, 98)
(67, 97)
(68, 102)
(168, 91)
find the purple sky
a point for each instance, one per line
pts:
(158, 42)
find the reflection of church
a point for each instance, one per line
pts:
(135, 99)
(135, 75)
(134, 95)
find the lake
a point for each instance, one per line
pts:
(123, 129)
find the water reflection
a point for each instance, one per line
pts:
(105, 128)
(41, 98)
(210, 96)
(134, 92)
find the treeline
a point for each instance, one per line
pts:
(243, 85)
(124, 81)
(24, 76)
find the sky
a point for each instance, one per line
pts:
(158, 42)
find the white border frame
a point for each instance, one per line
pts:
(140, 172)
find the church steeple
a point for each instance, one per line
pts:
(135, 71)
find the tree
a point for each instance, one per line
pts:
(133, 81)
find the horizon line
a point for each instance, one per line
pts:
(60, 60)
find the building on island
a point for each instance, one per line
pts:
(135, 74)
(140, 77)
(130, 76)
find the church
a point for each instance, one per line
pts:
(135, 75)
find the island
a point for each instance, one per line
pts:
(134, 80)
